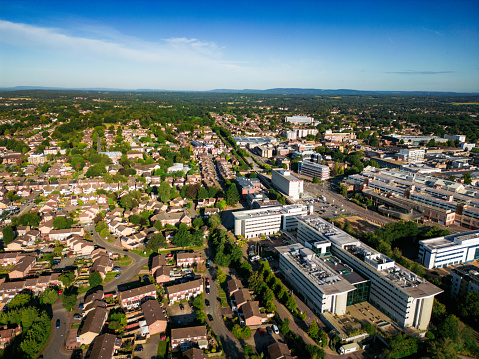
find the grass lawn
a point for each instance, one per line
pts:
(146, 253)
(125, 261)
(223, 299)
(109, 277)
(162, 349)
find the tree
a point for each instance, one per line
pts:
(62, 222)
(117, 321)
(156, 242)
(164, 191)
(202, 193)
(284, 327)
(469, 308)
(8, 235)
(69, 298)
(95, 279)
(182, 237)
(248, 350)
(315, 352)
(467, 178)
(48, 297)
(241, 332)
(315, 179)
(67, 278)
(442, 349)
(291, 303)
(220, 276)
(126, 202)
(221, 204)
(20, 300)
(198, 222)
(400, 346)
(214, 222)
(232, 195)
(313, 330)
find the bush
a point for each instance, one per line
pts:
(241, 332)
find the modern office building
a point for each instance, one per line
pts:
(465, 279)
(299, 119)
(396, 291)
(312, 170)
(446, 251)
(412, 156)
(322, 283)
(255, 222)
(287, 183)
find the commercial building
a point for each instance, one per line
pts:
(396, 291)
(299, 119)
(465, 279)
(412, 156)
(311, 169)
(248, 185)
(446, 251)
(287, 183)
(324, 289)
(255, 222)
(460, 138)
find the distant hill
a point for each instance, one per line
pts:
(275, 91)
(340, 92)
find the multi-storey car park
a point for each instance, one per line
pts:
(396, 291)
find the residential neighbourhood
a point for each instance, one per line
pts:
(267, 233)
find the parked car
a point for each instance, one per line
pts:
(182, 307)
(58, 323)
(210, 317)
(269, 330)
(207, 302)
(139, 348)
(77, 316)
(118, 275)
(207, 290)
(163, 337)
(275, 329)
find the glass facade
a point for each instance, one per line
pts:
(360, 295)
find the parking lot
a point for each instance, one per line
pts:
(261, 339)
(180, 316)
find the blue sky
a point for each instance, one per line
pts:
(204, 45)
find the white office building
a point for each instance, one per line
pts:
(465, 279)
(396, 291)
(447, 251)
(324, 288)
(255, 222)
(299, 119)
(312, 170)
(412, 156)
(287, 183)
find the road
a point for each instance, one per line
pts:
(328, 190)
(55, 346)
(231, 345)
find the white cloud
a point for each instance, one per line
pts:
(184, 51)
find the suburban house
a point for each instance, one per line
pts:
(80, 246)
(185, 290)
(172, 218)
(23, 267)
(279, 351)
(154, 316)
(7, 334)
(188, 259)
(105, 346)
(132, 298)
(160, 270)
(250, 314)
(185, 338)
(241, 297)
(233, 286)
(93, 325)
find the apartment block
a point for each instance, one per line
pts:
(185, 338)
(132, 298)
(185, 290)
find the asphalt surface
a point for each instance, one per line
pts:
(231, 345)
(328, 190)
